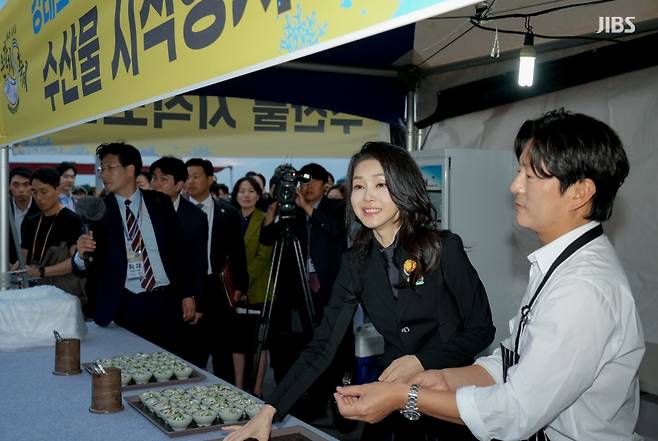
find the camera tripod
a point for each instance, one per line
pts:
(287, 239)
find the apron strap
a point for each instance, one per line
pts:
(574, 246)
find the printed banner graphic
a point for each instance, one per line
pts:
(66, 62)
(212, 126)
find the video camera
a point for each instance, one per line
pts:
(285, 180)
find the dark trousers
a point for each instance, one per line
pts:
(154, 316)
(212, 335)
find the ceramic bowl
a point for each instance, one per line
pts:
(148, 394)
(141, 376)
(183, 372)
(230, 414)
(204, 417)
(179, 421)
(252, 410)
(162, 374)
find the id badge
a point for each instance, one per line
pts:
(135, 266)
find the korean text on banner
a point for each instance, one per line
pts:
(66, 62)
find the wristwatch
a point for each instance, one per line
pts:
(410, 410)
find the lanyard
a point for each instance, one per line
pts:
(45, 241)
(574, 246)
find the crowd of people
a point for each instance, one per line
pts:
(180, 260)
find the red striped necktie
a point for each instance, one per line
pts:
(137, 245)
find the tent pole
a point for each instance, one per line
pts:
(412, 139)
(4, 217)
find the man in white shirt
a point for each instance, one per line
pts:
(568, 371)
(67, 173)
(22, 205)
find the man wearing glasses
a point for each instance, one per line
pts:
(138, 262)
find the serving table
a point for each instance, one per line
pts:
(37, 405)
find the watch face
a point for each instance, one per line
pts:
(411, 415)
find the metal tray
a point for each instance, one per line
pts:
(292, 433)
(194, 377)
(135, 403)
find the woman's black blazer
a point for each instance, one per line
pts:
(445, 320)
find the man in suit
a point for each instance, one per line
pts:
(168, 176)
(319, 225)
(226, 246)
(67, 173)
(138, 271)
(22, 205)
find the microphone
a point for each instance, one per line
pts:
(90, 209)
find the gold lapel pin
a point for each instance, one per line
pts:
(409, 266)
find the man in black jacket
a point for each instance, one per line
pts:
(225, 250)
(22, 205)
(168, 176)
(319, 225)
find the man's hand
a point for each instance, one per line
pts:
(301, 202)
(271, 213)
(189, 309)
(433, 379)
(86, 243)
(237, 295)
(259, 427)
(370, 402)
(32, 271)
(197, 317)
(402, 369)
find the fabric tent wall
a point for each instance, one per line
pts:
(629, 104)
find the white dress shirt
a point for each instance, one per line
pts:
(143, 218)
(208, 207)
(19, 215)
(579, 354)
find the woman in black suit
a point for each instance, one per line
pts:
(414, 281)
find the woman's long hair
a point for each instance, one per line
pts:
(418, 234)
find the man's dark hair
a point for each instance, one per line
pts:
(63, 166)
(170, 165)
(251, 174)
(206, 165)
(316, 171)
(128, 154)
(48, 176)
(573, 147)
(215, 188)
(146, 174)
(20, 171)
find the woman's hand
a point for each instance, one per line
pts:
(402, 369)
(370, 402)
(259, 427)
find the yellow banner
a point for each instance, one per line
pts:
(65, 62)
(211, 126)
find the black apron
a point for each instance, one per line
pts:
(511, 357)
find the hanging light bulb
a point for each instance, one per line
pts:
(527, 61)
